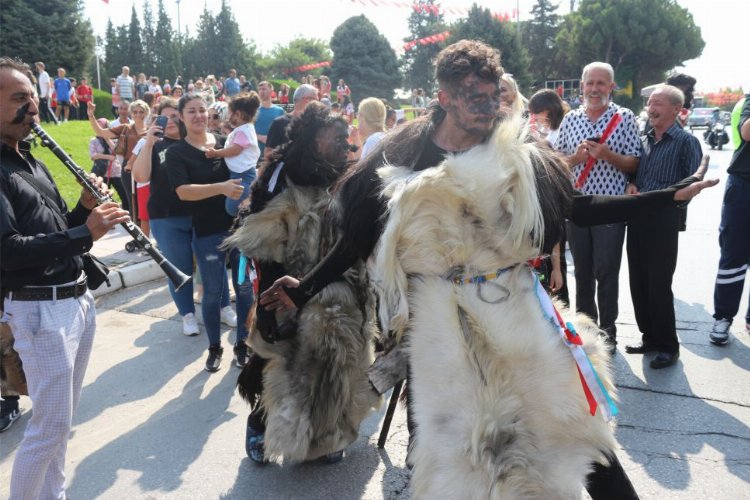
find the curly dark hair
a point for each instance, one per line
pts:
(467, 57)
(247, 103)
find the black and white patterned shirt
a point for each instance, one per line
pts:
(576, 127)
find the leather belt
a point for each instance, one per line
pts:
(49, 292)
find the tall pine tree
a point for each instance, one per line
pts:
(539, 36)
(147, 38)
(165, 45)
(134, 49)
(418, 62)
(53, 31)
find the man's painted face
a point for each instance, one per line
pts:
(333, 144)
(474, 105)
(18, 106)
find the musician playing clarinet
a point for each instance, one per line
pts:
(45, 298)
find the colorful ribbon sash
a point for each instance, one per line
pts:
(596, 394)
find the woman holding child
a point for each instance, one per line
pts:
(205, 184)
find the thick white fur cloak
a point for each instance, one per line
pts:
(315, 389)
(499, 406)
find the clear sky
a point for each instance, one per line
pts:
(723, 23)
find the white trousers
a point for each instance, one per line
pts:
(54, 340)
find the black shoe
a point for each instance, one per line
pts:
(640, 348)
(240, 355)
(332, 458)
(213, 362)
(255, 444)
(664, 359)
(610, 343)
(9, 412)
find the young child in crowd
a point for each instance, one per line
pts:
(241, 151)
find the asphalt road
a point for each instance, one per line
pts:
(152, 424)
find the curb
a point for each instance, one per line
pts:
(129, 276)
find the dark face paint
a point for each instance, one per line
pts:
(21, 114)
(475, 105)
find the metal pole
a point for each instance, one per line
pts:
(98, 75)
(179, 33)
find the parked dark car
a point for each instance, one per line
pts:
(700, 117)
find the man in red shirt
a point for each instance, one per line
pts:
(85, 95)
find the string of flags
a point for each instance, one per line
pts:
(308, 67)
(428, 40)
(431, 9)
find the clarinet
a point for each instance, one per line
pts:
(177, 277)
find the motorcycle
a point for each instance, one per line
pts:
(716, 136)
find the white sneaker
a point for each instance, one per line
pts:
(720, 332)
(190, 325)
(228, 316)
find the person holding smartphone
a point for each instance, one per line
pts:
(170, 217)
(597, 250)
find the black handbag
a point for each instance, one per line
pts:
(96, 271)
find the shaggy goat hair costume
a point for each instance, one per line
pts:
(518, 423)
(315, 388)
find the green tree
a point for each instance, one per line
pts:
(233, 51)
(363, 57)
(539, 38)
(481, 25)
(147, 38)
(165, 47)
(298, 52)
(111, 50)
(53, 31)
(218, 46)
(419, 61)
(134, 48)
(200, 50)
(641, 39)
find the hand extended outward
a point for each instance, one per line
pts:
(105, 217)
(691, 191)
(276, 298)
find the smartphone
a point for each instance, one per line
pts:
(594, 139)
(161, 121)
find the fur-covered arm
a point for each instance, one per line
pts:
(340, 258)
(264, 235)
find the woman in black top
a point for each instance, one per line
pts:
(205, 184)
(171, 221)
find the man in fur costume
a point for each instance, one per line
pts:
(309, 366)
(506, 449)
(12, 378)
